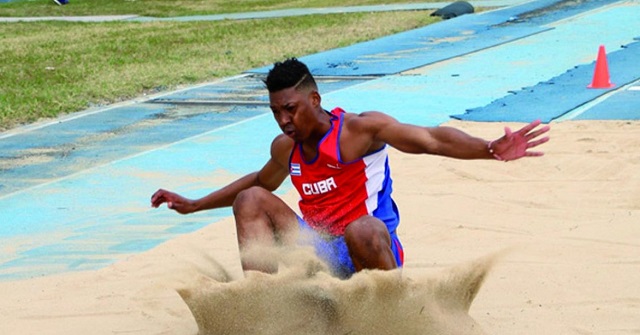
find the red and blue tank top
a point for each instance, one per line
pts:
(334, 193)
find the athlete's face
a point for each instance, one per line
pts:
(295, 111)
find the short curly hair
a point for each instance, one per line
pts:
(290, 73)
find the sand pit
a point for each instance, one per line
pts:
(569, 221)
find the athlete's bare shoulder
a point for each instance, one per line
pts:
(359, 136)
(367, 121)
(367, 124)
(281, 149)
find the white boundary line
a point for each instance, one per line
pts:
(585, 107)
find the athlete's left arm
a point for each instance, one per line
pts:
(452, 142)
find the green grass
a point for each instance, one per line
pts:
(160, 8)
(52, 68)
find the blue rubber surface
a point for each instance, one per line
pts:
(94, 217)
(437, 42)
(552, 99)
(623, 105)
(405, 51)
(58, 150)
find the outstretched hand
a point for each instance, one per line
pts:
(514, 145)
(174, 201)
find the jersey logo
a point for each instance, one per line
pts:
(295, 170)
(335, 167)
(320, 187)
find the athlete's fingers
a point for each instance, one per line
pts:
(157, 202)
(156, 194)
(538, 132)
(158, 198)
(529, 127)
(536, 143)
(507, 132)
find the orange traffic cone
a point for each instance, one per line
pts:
(601, 73)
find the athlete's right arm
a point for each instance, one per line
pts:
(270, 177)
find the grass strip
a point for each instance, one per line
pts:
(163, 8)
(52, 68)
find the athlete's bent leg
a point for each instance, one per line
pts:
(262, 219)
(369, 244)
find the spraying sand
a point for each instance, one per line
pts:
(304, 299)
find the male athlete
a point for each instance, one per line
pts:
(338, 163)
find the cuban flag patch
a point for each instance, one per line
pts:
(294, 169)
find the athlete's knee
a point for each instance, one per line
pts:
(250, 198)
(248, 210)
(367, 233)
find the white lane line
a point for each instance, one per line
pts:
(581, 109)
